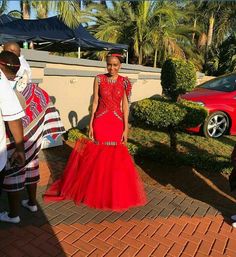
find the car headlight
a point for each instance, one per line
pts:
(200, 103)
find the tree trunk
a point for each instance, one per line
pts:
(210, 30)
(26, 10)
(155, 59)
(140, 57)
(194, 26)
(42, 11)
(173, 138)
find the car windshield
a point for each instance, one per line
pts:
(225, 84)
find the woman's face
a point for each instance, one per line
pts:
(113, 65)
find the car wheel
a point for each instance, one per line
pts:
(216, 125)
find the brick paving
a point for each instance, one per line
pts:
(170, 225)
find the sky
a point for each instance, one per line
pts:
(13, 5)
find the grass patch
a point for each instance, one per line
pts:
(193, 150)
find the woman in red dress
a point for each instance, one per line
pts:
(100, 172)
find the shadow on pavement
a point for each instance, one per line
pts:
(33, 236)
(208, 187)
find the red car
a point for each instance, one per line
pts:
(219, 97)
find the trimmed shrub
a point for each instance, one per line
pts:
(74, 134)
(177, 77)
(161, 113)
(172, 113)
(195, 114)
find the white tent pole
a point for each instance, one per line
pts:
(127, 57)
(79, 52)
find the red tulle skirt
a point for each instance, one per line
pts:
(98, 175)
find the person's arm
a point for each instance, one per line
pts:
(16, 128)
(12, 113)
(125, 109)
(94, 106)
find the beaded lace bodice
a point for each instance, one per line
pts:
(111, 93)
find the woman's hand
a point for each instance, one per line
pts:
(91, 132)
(125, 136)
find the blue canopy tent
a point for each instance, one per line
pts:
(52, 34)
(4, 18)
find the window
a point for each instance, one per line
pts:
(225, 84)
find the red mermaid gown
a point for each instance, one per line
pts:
(101, 174)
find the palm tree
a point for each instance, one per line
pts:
(169, 35)
(125, 24)
(69, 11)
(227, 55)
(146, 26)
(3, 6)
(222, 59)
(42, 8)
(225, 23)
(111, 24)
(216, 20)
(221, 16)
(144, 21)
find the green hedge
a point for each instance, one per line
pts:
(160, 113)
(195, 114)
(177, 77)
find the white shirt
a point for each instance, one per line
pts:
(10, 109)
(24, 68)
(24, 74)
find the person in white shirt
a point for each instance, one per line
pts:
(24, 72)
(10, 112)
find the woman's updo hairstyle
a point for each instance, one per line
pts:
(10, 61)
(119, 55)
